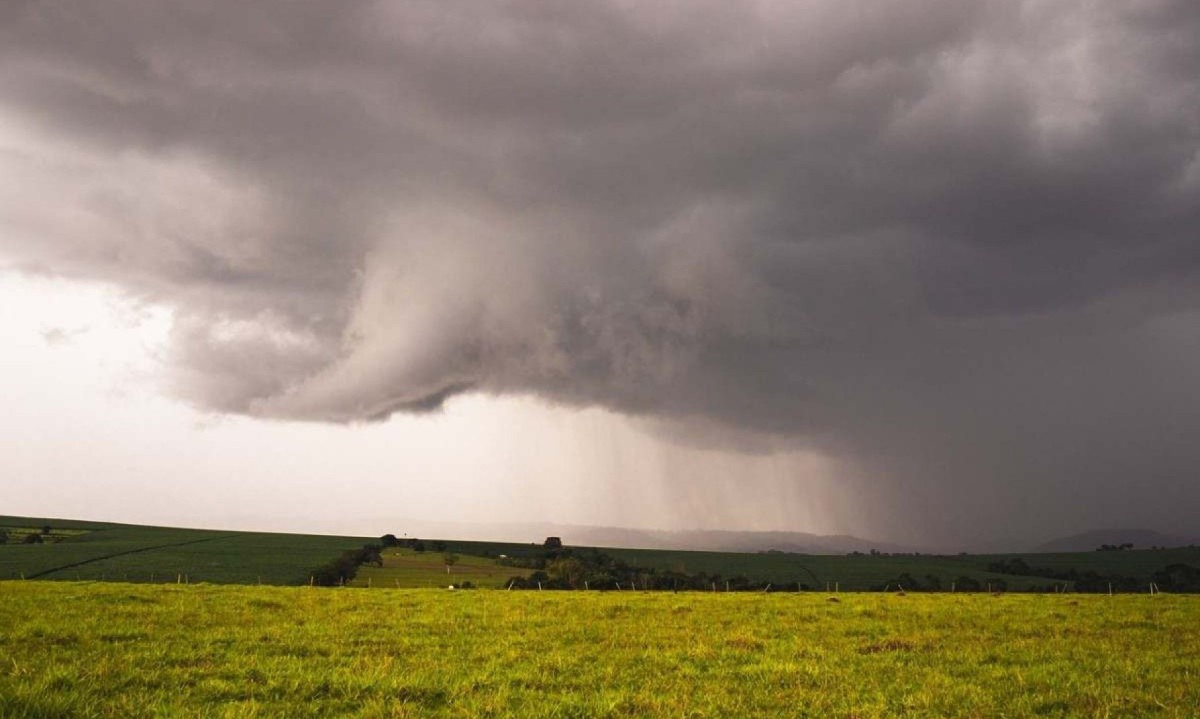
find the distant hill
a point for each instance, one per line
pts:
(708, 540)
(1139, 538)
(84, 550)
(726, 541)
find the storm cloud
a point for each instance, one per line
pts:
(953, 244)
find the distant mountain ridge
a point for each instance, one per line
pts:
(1139, 538)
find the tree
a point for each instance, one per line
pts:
(967, 584)
(32, 539)
(439, 545)
(1178, 578)
(341, 570)
(389, 540)
(567, 570)
(3, 536)
(552, 543)
(418, 546)
(450, 559)
(45, 529)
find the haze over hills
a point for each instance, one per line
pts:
(730, 541)
(711, 540)
(784, 541)
(692, 539)
(1139, 538)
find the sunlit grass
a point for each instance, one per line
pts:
(123, 650)
(405, 568)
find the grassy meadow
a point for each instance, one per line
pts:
(84, 649)
(405, 568)
(864, 572)
(81, 550)
(76, 550)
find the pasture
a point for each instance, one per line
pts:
(405, 568)
(125, 650)
(135, 553)
(80, 550)
(863, 572)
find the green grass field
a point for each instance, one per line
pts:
(133, 553)
(404, 568)
(97, 550)
(863, 572)
(127, 650)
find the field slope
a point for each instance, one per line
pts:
(105, 551)
(406, 569)
(124, 552)
(123, 650)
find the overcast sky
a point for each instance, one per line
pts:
(926, 270)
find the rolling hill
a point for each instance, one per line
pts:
(121, 552)
(127, 552)
(1139, 538)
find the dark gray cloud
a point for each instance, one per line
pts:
(951, 243)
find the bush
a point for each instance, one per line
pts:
(967, 584)
(1178, 578)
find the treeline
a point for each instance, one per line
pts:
(417, 545)
(558, 567)
(1172, 578)
(564, 568)
(32, 537)
(339, 571)
(934, 583)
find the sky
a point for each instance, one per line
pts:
(922, 271)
